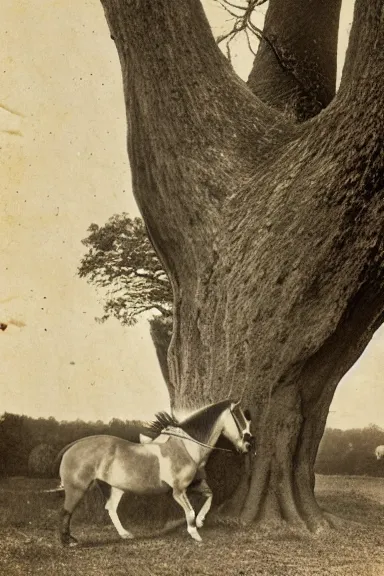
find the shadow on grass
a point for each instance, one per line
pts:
(24, 504)
(104, 541)
(353, 507)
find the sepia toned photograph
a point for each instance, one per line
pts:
(192, 288)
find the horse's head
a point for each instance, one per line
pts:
(237, 428)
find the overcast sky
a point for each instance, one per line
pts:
(63, 166)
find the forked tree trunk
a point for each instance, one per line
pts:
(270, 230)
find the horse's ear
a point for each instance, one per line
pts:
(144, 439)
(235, 403)
(247, 415)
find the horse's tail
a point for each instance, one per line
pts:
(57, 461)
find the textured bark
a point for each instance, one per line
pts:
(271, 231)
(161, 333)
(295, 66)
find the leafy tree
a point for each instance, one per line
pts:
(264, 202)
(121, 261)
(40, 460)
(16, 443)
(350, 452)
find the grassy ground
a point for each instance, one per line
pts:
(29, 546)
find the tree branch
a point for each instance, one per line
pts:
(190, 120)
(295, 66)
(243, 21)
(366, 46)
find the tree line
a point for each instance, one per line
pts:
(350, 452)
(28, 446)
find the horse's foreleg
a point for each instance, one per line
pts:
(181, 498)
(111, 506)
(202, 488)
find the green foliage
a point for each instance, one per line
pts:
(122, 264)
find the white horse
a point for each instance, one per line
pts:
(199, 485)
(170, 462)
(379, 452)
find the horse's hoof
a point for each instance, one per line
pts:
(199, 522)
(127, 536)
(73, 542)
(68, 541)
(196, 537)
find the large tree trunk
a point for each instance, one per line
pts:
(273, 235)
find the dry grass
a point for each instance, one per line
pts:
(29, 546)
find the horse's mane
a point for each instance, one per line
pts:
(162, 420)
(198, 425)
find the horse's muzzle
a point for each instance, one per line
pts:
(250, 443)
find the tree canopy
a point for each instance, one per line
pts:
(122, 263)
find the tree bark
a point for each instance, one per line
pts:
(161, 334)
(295, 66)
(273, 234)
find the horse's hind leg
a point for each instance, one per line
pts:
(111, 505)
(73, 495)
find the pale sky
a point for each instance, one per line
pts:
(64, 165)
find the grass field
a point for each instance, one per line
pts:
(29, 546)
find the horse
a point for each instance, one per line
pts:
(379, 452)
(170, 462)
(199, 484)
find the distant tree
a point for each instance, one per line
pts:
(40, 460)
(16, 444)
(350, 452)
(122, 264)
